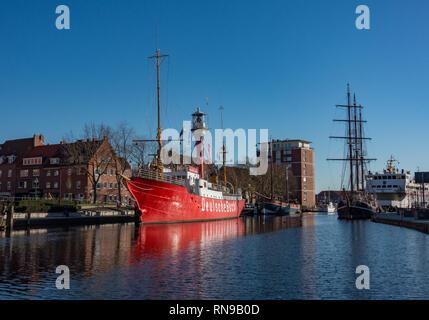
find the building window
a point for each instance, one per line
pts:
(98, 185)
(77, 184)
(1, 173)
(55, 185)
(54, 160)
(48, 173)
(305, 172)
(111, 172)
(23, 173)
(111, 186)
(69, 171)
(9, 173)
(304, 179)
(9, 185)
(36, 184)
(289, 159)
(36, 172)
(105, 185)
(56, 173)
(304, 159)
(116, 186)
(48, 185)
(78, 171)
(0, 185)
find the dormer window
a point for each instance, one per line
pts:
(54, 160)
(11, 159)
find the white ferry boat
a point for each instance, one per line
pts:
(396, 188)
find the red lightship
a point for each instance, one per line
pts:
(165, 196)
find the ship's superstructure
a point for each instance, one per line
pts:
(396, 188)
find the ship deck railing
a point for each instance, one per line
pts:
(155, 175)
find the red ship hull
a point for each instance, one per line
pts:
(162, 202)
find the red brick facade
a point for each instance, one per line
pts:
(299, 158)
(30, 169)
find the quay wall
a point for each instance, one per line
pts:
(42, 220)
(410, 223)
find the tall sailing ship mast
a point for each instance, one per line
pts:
(356, 203)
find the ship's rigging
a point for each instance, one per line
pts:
(355, 155)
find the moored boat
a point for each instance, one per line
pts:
(356, 203)
(166, 196)
(327, 208)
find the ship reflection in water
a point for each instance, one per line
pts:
(172, 238)
(248, 258)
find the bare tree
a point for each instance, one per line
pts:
(122, 142)
(93, 154)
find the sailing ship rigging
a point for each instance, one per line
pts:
(356, 203)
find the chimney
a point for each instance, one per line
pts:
(38, 140)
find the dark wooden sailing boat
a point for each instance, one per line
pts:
(355, 202)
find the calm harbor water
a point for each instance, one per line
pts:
(250, 258)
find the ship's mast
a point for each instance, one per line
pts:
(349, 124)
(356, 155)
(223, 148)
(361, 150)
(159, 164)
(287, 184)
(271, 169)
(356, 143)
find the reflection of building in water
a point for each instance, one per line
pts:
(261, 224)
(33, 256)
(308, 247)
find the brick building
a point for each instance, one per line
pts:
(297, 156)
(70, 171)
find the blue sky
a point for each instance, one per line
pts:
(281, 65)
